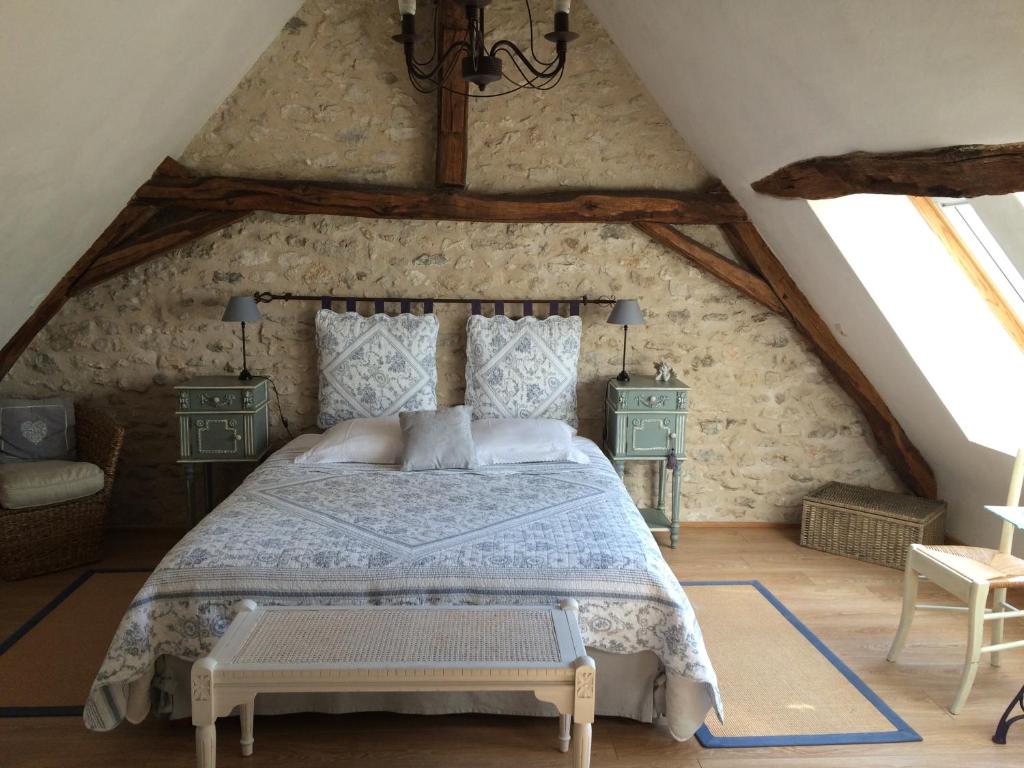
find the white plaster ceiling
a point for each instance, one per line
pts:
(753, 86)
(93, 95)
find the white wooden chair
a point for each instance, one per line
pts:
(970, 573)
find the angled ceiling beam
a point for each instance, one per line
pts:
(904, 456)
(242, 195)
(175, 228)
(743, 280)
(452, 154)
(961, 171)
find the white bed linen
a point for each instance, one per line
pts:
(360, 534)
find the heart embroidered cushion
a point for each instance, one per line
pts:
(33, 430)
(522, 369)
(375, 366)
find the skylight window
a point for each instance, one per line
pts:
(1004, 274)
(948, 325)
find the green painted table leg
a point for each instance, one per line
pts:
(675, 505)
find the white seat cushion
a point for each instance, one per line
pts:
(41, 483)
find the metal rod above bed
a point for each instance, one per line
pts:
(554, 305)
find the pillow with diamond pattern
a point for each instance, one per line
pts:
(34, 430)
(522, 369)
(375, 366)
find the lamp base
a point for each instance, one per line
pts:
(244, 375)
(623, 376)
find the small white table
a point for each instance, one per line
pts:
(399, 649)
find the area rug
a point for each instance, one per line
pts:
(781, 686)
(47, 665)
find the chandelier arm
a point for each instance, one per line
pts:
(418, 72)
(435, 22)
(533, 51)
(528, 82)
(514, 52)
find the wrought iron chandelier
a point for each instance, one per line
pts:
(482, 66)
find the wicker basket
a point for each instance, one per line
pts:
(865, 524)
(43, 539)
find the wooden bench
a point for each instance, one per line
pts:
(399, 649)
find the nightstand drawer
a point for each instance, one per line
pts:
(222, 398)
(647, 400)
(653, 435)
(223, 437)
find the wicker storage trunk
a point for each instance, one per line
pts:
(865, 524)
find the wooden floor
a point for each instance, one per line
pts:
(853, 607)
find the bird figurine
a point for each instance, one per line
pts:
(663, 371)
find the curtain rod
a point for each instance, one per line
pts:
(266, 297)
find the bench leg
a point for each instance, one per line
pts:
(581, 745)
(564, 721)
(206, 746)
(245, 713)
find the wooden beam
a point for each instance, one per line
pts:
(729, 272)
(956, 247)
(241, 195)
(962, 171)
(452, 153)
(125, 224)
(175, 229)
(892, 440)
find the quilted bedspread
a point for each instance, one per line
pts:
(301, 534)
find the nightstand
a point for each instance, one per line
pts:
(220, 419)
(645, 420)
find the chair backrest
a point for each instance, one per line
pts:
(1012, 500)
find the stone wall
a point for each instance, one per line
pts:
(329, 100)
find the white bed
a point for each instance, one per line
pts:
(355, 534)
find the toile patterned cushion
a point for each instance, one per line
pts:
(522, 369)
(375, 366)
(34, 430)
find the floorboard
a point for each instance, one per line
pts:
(853, 607)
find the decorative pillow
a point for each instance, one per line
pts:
(375, 366)
(32, 430)
(524, 368)
(363, 441)
(438, 439)
(521, 441)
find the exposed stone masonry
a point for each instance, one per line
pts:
(327, 101)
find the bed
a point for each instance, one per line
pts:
(341, 534)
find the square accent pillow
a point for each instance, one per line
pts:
(35, 430)
(438, 439)
(375, 366)
(522, 369)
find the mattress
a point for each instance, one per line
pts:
(347, 534)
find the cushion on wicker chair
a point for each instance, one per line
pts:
(979, 564)
(39, 483)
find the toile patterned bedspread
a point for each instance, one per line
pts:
(303, 534)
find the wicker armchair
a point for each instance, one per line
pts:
(42, 539)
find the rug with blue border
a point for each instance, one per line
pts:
(781, 685)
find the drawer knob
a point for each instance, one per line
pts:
(671, 435)
(216, 400)
(652, 400)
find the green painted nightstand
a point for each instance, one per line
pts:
(645, 420)
(220, 419)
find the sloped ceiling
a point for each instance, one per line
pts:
(754, 86)
(93, 95)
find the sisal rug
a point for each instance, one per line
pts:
(47, 666)
(781, 686)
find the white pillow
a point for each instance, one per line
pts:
(519, 441)
(364, 441)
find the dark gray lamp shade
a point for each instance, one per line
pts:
(242, 309)
(626, 312)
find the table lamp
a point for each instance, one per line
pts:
(242, 309)
(626, 312)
